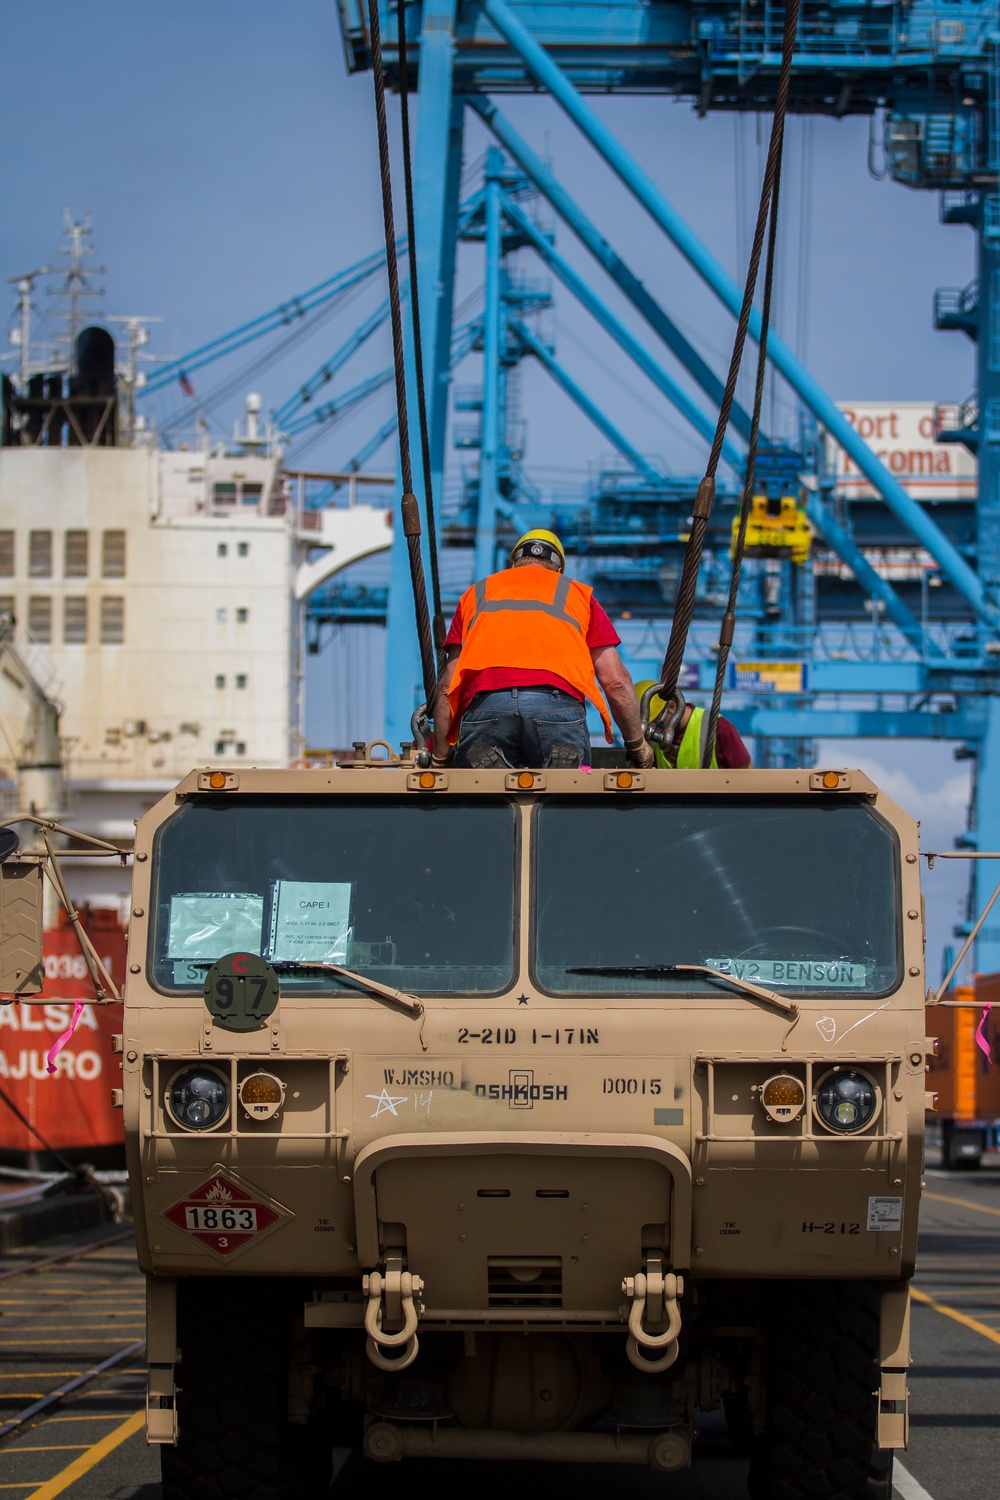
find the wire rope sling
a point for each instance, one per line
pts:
(663, 730)
(430, 635)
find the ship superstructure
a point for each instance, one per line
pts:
(155, 593)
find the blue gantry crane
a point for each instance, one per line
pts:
(832, 642)
(831, 645)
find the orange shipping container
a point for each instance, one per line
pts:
(966, 1081)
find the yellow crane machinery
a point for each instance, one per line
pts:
(775, 528)
(777, 525)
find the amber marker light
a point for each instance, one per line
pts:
(262, 1095)
(428, 780)
(526, 780)
(217, 780)
(783, 1098)
(624, 779)
(831, 780)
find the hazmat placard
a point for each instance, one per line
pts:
(225, 1214)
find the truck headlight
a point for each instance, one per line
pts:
(846, 1100)
(197, 1098)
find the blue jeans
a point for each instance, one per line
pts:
(524, 724)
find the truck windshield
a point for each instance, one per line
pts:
(419, 894)
(799, 897)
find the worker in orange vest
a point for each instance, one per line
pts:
(527, 649)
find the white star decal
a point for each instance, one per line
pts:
(386, 1103)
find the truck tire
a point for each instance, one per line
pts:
(232, 1400)
(822, 1406)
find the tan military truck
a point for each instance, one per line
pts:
(525, 1115)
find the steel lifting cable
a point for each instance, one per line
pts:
(418, 350)
(663, 732)
(728, 629)
(409, 509)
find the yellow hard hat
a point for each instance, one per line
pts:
(656, 704)
(538, 544)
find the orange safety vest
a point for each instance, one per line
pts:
(523, 618)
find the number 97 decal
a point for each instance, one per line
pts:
(241, 991)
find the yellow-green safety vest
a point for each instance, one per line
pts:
(692, 745)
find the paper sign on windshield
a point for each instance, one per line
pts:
(310, 921)
(834, 973)
(205, 925)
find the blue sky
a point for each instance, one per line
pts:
(229, 161)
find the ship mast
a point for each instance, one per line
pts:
(76, 287)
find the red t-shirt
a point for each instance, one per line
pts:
(730, 751)
(600, 632)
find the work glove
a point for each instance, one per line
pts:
(440, 761)
(639, 754)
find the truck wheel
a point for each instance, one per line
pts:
(822, 1408)
(232, 1401)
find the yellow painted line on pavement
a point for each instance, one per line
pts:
(91, 1458)
(27, 1344)
(97, 1416)
(110, 1320)
(953, 1312)
(980, 1208)
(985, 1292)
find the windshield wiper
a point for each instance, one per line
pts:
(663, 971)
(380, 991)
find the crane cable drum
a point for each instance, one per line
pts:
(409, 508)
(663, 730)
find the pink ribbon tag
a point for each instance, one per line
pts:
(980, 1037)
(60, 1041)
